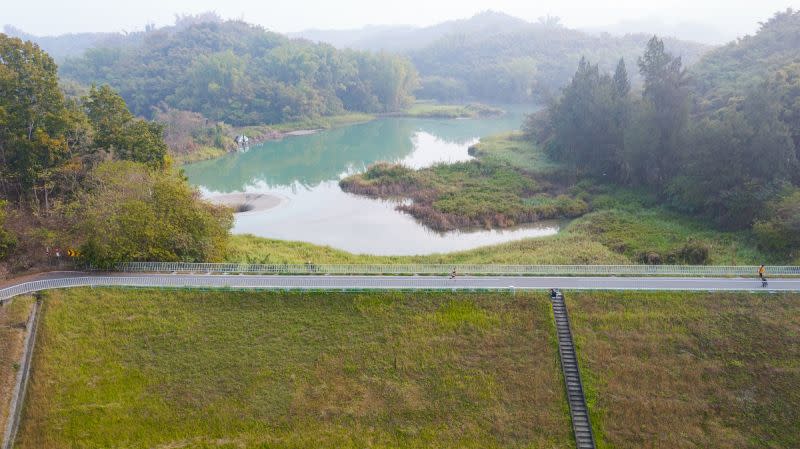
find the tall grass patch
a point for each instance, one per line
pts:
(688, 370)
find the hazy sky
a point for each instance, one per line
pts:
(47, 17)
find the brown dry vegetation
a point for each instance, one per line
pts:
(13, 319)
(690, 370)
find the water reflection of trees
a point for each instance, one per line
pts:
(311, 160)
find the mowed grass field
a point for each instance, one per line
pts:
(190, 369)
(690, 370)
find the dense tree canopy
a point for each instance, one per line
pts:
(528, 62)
(722, 147)
(7, 241)
(34, 118)
(241, 74)
(588, 122)
(723, 74)
(87, 172)
(44, 136)
(116, 129)
(129, 212)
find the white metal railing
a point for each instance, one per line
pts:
(399, 283)
(238, 282)
(468, 269)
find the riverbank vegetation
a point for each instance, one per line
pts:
(190, 368)
(617, 224)
(450, 111)
(724, 149)
(85, 175)
(485, 192)
(626, 227)
(515, 151)
(643, 161)
(686, 370)
(192, 138)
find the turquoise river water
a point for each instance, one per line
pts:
(303, 173)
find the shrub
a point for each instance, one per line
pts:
(694, 252)
(781, 230)
(7, 241)
(130, 213)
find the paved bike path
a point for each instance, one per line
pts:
(415, 282)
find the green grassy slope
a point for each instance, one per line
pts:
(188, 369)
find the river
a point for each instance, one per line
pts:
(304, 171)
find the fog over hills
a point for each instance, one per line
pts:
(406, 37)
(491, 57)
(67, 45)
(403, 38)
(393, 38)
(691, 31)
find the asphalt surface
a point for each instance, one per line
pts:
(489, 282)
(418, 282)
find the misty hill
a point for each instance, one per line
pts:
(495, 57)
(725, 73)
(402, 38)
(75, 44)
(69, 45)
(531, 62)
(721, 141)
(366, 38)
(242, 74)
(690, 31)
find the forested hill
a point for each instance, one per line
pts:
(532, 62)
(726, 72)
(490, 57)
(72, 45)
(404, 38)
(242, 74)
(722, 143)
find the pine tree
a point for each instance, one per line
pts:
(666, 110)
(622, 86)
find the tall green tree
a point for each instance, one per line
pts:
(666, 109)
(588, 121)
(7, 240)
(736, 161)
(785, 87)
(34, 117)
(108, 114)
(622, 85)
(118, 131)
